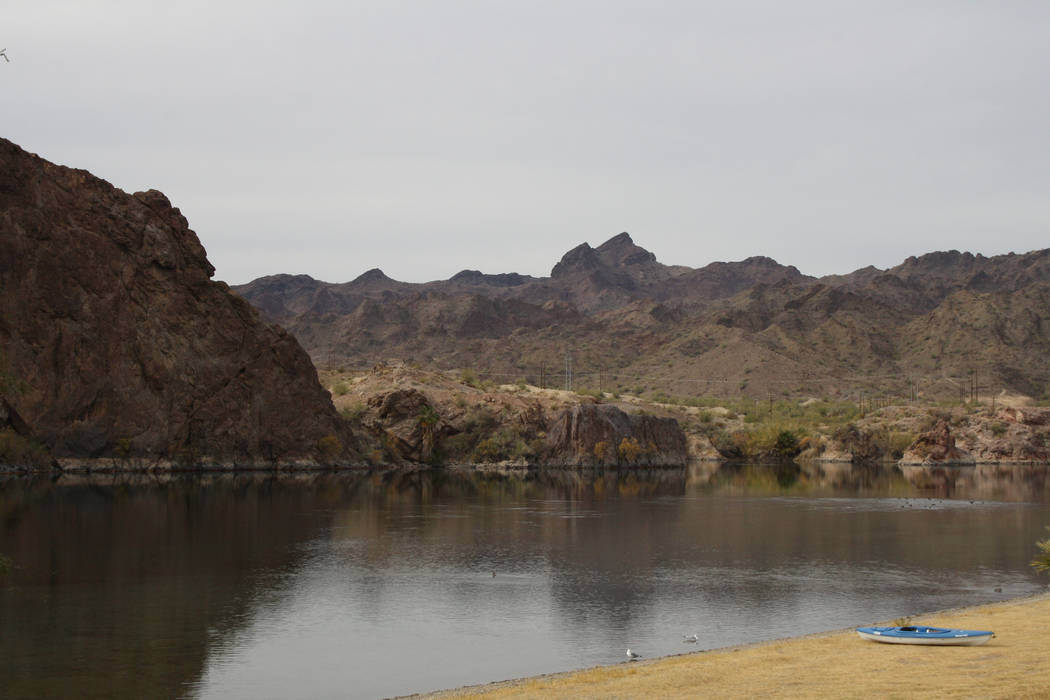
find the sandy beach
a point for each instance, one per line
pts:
(1014, 664)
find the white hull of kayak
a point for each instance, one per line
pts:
(960, 641)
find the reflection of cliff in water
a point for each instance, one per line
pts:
(123, 584)
(126, 586)
(985, 481)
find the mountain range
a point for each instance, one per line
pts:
(614, 318)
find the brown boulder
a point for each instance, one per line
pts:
(123, 346)
(936, 447)
(594, 435)
(407, 422)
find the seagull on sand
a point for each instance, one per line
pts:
(691, 638)
(631, 656)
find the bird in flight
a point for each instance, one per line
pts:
(3, 52)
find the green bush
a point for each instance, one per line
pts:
(786, 443)
(341, 389)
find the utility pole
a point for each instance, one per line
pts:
(568, 371)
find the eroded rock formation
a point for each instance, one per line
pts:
(590, 434)
(936, 446)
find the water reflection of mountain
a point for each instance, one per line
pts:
(134, 586)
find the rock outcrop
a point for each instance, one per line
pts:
(407, 424)
(1010, 436)
(119, 345)
(598, 434)
(936, 446)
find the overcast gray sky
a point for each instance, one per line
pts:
(423, 138)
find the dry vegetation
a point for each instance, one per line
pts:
(833, 665)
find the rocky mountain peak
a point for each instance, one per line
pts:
(582, 258)
(620, 250)
(373, 275)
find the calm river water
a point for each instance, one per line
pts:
(356, 585)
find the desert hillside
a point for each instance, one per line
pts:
(946, 325)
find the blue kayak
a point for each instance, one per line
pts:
(921, 634)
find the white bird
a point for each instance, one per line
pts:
(691, 638)
(3, 52)
(631, 655)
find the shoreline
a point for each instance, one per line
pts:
(835, 663)
(114, 466)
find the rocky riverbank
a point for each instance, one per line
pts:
(412, 415)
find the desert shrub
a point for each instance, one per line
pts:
(600, 450)
(998, 428)
(899, 442)
(727, 444)
(468, 377)
(329, 447)
(786, 443)
(6, 566)
(503, 444)
(480, 419)
(460, 445)
(933, 417)
(341, 389)
(629, 450)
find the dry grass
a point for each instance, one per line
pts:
(837, 665)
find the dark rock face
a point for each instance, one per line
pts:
(122, 345)
(591, 434)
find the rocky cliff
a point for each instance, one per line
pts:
(591, 434)
(115, 343)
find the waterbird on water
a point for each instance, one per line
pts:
(691, 638)
(631, 655)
